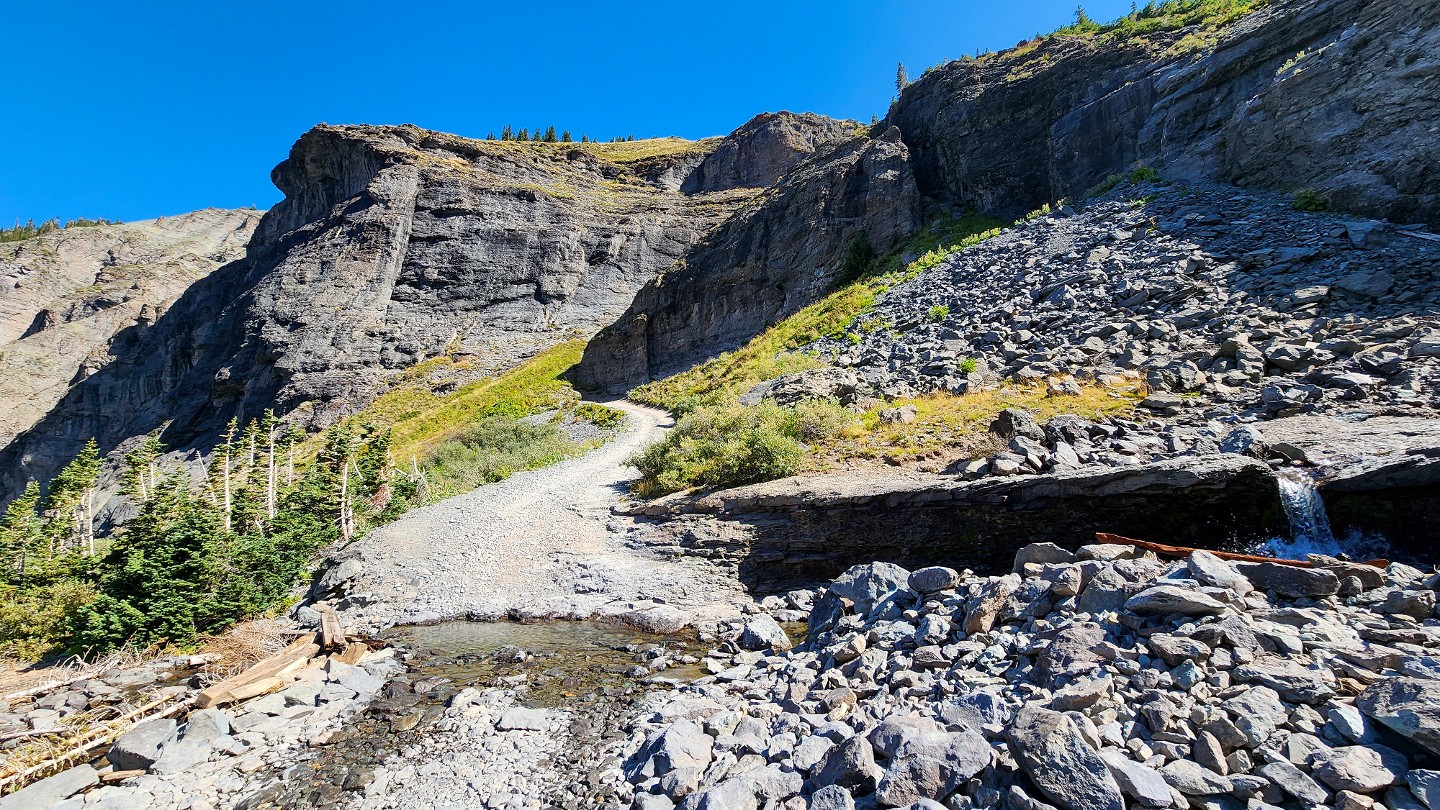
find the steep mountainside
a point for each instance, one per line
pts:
(1338, 96)
(394, 245)
(72, 300)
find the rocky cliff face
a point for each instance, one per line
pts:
(1335, 95)
(394, 245)
(778, 254)
(72, 300)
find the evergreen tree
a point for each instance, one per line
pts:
(21, 534)
(902, 77)
(565, 137)
(550, 134)
(142, 472)
(523, 136)
(507, 134)
(69, 506)
(490, 136)
(584, 138)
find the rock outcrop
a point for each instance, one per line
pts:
(777, 255)
(1334, 95)
(758, 154)
(394, 245)
(72, 300)
(801, 530)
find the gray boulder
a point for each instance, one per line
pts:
(868, 585)
(851, 765)
(1140, 782)
(1164, 599)
(1042, 554)
(1211, 570)
(682, 745)
(207, 724)
(51, 791)
(763, 633)
(932, 766)
(138, 748)
(831, 797)
(1363, 769)
(1294, 781)
(1014, 422)
(933, 579)
(1052, 752)
(1408, 706)
(1290, 581)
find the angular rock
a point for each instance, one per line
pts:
(870, 584)
(1140, 782)
(983, 609)
(1211, 570)
(763, 632)
(1408, 706)
(932, 766)
(851, 765)
(53, 790)
(1193, 779)
(1290, 581)
(1164, 599)
(139, 747)
(1359, 768)
(1052, 752)
(1041, 554)
(1294, 781)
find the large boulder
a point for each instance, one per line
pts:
(1052, 752)
(138, 748)
(1289, 580)
(868, 585)
(1407, 706)
(932, 766)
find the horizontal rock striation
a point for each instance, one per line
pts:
(74, 300)
(1335, 95)
(395, 245)
(806, 529)
(777, 255)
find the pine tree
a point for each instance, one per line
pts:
(584, 138)
(69, 506)
(550, 134)
(507, 134)
(141, 474)
(565, 137)
(490, 136)
(902, 77)
(21, 534)
(523, 136)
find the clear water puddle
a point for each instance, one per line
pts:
(556, 662)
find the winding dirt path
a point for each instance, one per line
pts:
(541, 544)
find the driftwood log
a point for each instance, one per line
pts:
(1185, 551)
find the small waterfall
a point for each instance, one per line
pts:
(1309, 526)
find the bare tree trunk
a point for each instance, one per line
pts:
(270, 475)
(90, 521)
(226, 472)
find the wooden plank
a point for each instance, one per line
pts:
(354, 651)
(1185, 551)
(288, 660)
(332, 636)
(119, 776)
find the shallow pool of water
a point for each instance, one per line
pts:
(555, 661)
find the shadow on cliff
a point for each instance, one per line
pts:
(174, 374)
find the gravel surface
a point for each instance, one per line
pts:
(541, 544)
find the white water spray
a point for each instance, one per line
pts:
(1310, 531)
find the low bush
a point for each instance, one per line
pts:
(1308, 199)
(727, 446)
(938, 314)
(491, 450)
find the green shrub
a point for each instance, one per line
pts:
(491, 450)
(32, 623)
(968, 365)
(1104, 186)
(600, 416)
(858, 258)
(1308, 199)
(938, 314)
(1143, 174)
(719, 447)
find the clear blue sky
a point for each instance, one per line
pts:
(135, 110)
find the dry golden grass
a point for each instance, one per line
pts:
(950, 426)
(243, 646)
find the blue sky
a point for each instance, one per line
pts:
(136, 110)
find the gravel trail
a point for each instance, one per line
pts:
(541, 544)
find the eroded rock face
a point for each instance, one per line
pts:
(1348, 118)
(395, 245)
(801, 529)
(777, 255)
(73, 300)
(767, 146)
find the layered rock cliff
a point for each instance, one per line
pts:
(394, 245)
(778, 254)
(1338, 96)
(1335, 95)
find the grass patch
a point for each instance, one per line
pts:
(722, 446)
(950, 422)
(1308, 199)
(491, 450)
(632, 151)
(938, 314)
(774, 352)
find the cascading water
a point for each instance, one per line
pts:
(1309, 524)
(1310, 527)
